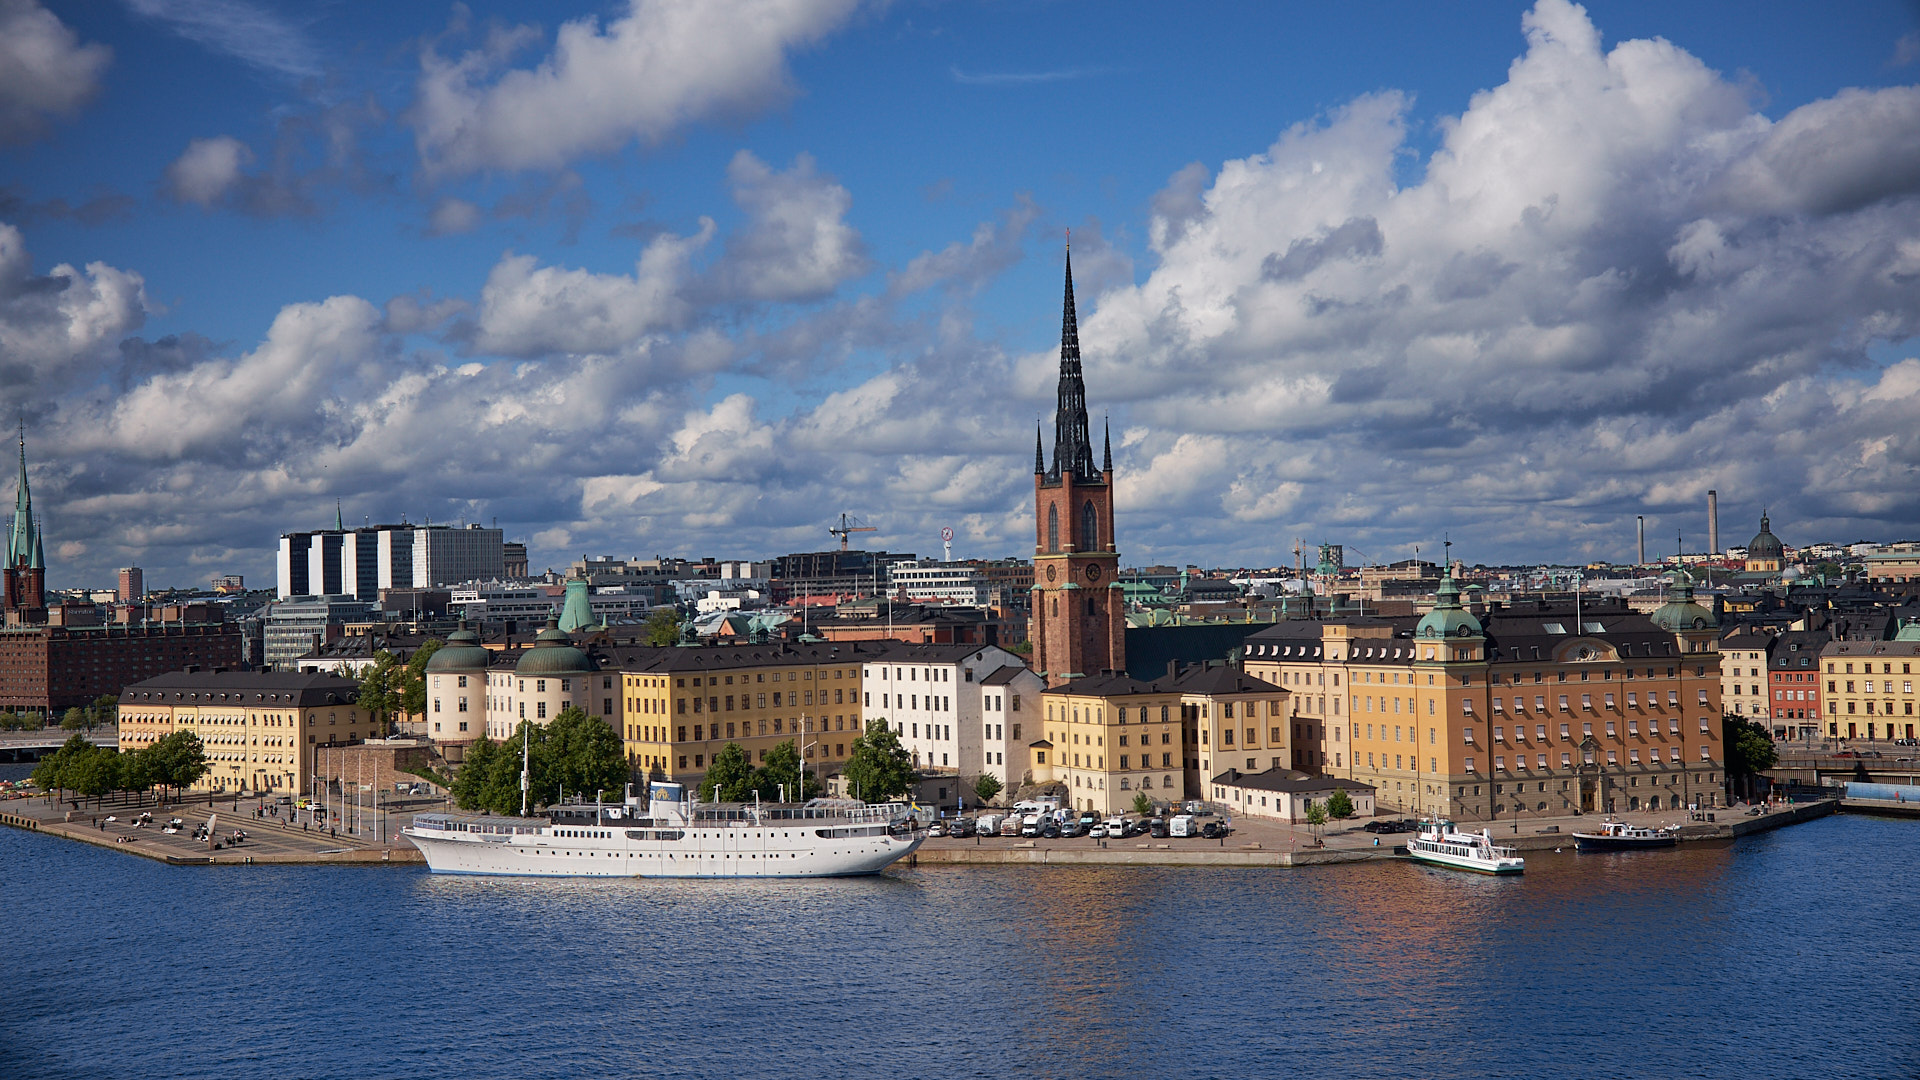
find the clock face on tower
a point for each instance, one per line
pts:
(1052, 572)
(1093, 572)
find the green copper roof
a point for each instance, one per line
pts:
(1680, 612)
(577, 612)
(553, 653)
(1448, 618)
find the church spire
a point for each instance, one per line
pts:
(1106, 440)
(1072, 442)
(1039, 451)
(20, 541)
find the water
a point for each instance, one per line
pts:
(1787, 955)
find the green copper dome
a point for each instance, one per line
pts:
(1909, 632)
(1448, 618)
(462, 653)
(552, 653)
(1680, 612)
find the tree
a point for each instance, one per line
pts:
(413, 680)
(177, 760)
(987, 787)
(663, 627)
(584, 755)
(782, 773)
(1142, 805)
(729, 776)
(52, 774)
(105, 711)
(74, 720)
(469, 784)
(1750, 750)
(879, 767)
(380, 686)
(1340, 804)
(95, 773)
(1316, 817)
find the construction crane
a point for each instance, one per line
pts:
(848, 525)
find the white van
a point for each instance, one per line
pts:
(1032, 824)
(1182, 825)
(988, 824)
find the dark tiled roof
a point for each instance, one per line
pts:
(1286, 780)
(264, 688)
(1003, 676)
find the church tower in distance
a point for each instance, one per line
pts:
(1079, 621)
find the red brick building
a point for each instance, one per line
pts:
(53, 668)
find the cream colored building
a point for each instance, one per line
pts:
(1869, 687)
(1110, 738)
(260, 729)
(1285, 794)
(1743, 674)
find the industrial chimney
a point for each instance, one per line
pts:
(1643, 541)
(1713, 522)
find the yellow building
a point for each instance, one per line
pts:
(260, 729)
(1110, 738)
(680, 706)
(1539, 708)
(1870, 687)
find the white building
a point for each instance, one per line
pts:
(1009, 720)
(361, 562)
(494, 601)
(932, 697)
(924, 581)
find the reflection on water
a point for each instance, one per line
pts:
(1373, 969)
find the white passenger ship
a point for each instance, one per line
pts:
(672, 837)
(1438, 843)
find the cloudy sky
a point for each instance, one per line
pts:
(693, 276)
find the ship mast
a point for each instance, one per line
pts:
(526, 758)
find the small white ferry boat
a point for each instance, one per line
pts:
(1620, 836)
(1438, 843)
(673, 837)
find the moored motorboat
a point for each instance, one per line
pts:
(1439, 844)
(1620, 836)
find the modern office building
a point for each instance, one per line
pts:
(296, 627)
(360, 562)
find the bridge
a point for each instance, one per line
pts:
(30, 747)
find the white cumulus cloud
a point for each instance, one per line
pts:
(45, 72)
(661, 65)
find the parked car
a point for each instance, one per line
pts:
(960, 829)
(1071, 829)
(1011, 825)
(1157, 828)
(1050, 831)
(1088, 819)
(937, 829)
(1098, 832)
(1031, 825)
(1182, 825)
(1215, 830)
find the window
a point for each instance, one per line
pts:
(1089, 528)
(1053, 536)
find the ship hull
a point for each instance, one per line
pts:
(1588, 842)
(731, 858)
(1451, 862)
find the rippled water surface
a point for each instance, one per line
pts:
(1787, 955)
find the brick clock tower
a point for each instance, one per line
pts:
(1079, 623)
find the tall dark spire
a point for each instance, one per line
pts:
(1106, 445)
(1039, 451)
(1072, 441)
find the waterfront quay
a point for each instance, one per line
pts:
(270, 840)
(1256, 842)
(1253, 843)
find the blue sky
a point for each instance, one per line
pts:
(692, 278)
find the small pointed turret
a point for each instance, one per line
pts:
(339, 518)
(38, 561)
(1106, 456)
(1039, 452)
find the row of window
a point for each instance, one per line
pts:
(742, 729)
(759, 701)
